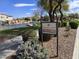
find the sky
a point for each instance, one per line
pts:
(74, 6)
(25, 8)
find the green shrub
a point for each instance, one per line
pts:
(46, 37)
(73, 25)
(64, 24)
(77, 21)
(32, 49)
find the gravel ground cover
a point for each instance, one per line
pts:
(65, 45)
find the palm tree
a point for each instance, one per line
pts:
(50, 5)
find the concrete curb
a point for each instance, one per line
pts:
(76, 47)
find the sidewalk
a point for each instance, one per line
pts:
(76, 47)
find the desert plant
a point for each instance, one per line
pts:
(73, 25)
(32, 49)
(64, 24)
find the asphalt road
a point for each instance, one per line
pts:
(8, 51)
(9, 47)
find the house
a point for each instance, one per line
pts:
(4, 17)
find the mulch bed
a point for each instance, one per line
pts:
(66, 44)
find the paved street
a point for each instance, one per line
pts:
(9, 47)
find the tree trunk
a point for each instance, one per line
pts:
(61, 18)
(50, 10)
(55, 10)
(50, 16)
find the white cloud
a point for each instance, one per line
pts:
(23, 5)
(28, 13)
(34, 9)
(73, 4)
